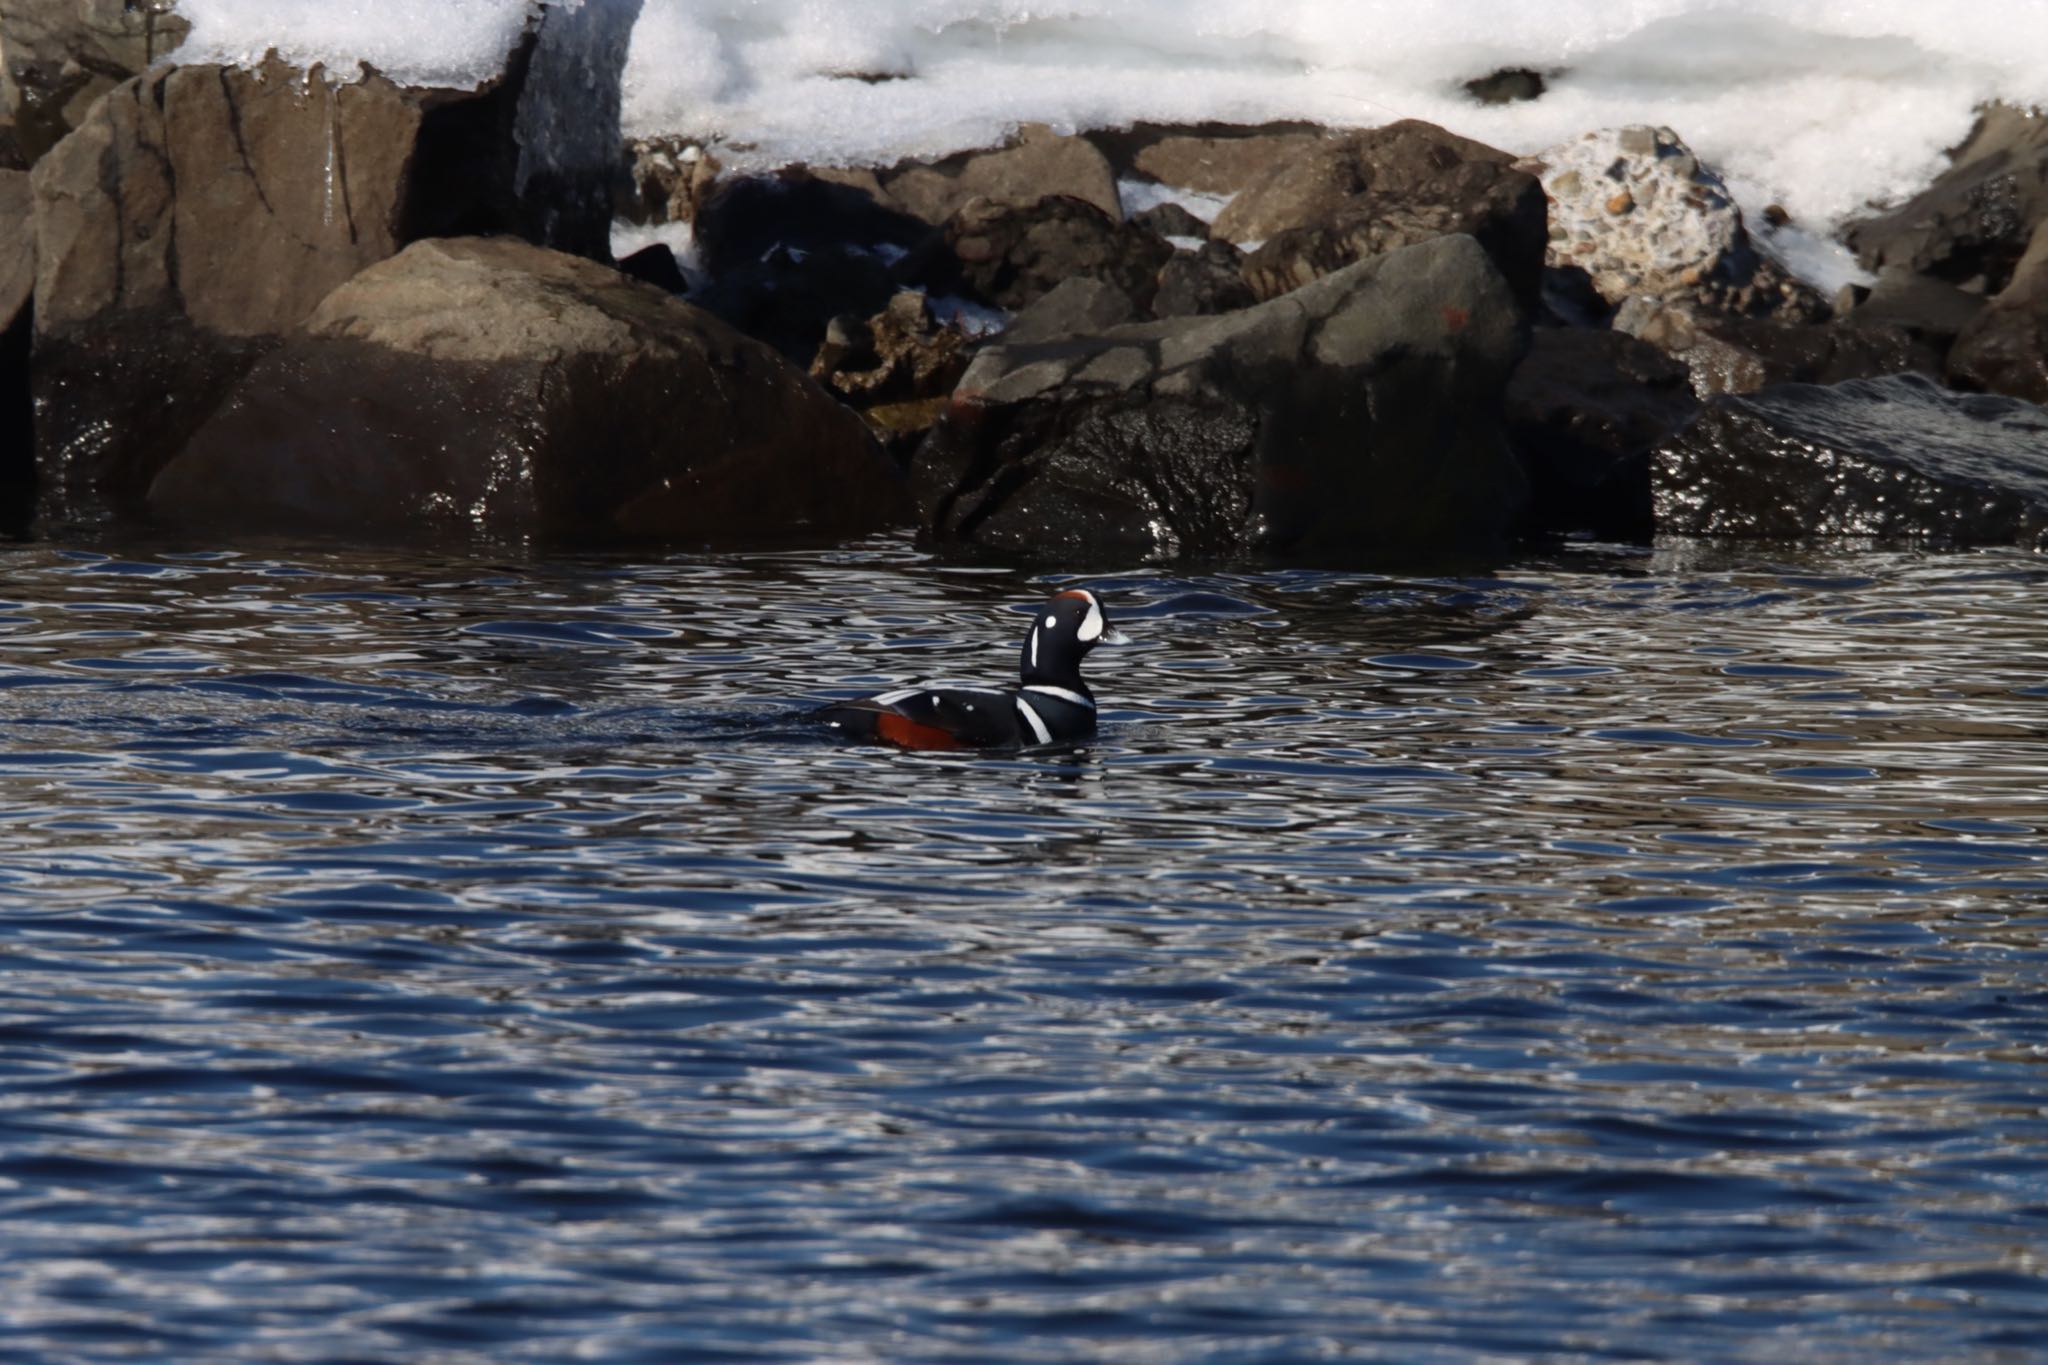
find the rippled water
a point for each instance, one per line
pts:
(1635, 956)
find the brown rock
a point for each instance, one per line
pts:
(493, 386)
(1366, 193)
(1042, 163)
(1011, 254)
(1621, 203)
(1219, 164)
(1326, 175)
(2004, 348)
(270, 229)
(894, 357)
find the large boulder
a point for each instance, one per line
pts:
(62, 55)
(1972, 225)
(1342, 199)
(488, 385)
(196, 213)
(1356, 418)
(1897, 458)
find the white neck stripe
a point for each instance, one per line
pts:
(1031, 718)
(1063, 693)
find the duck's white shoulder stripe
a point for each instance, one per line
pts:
(1066, 694)
(1032, 719)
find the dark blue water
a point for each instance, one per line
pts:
(1626, 957)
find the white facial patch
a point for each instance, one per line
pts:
(1091, 625)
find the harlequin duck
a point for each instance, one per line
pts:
(1050, 704)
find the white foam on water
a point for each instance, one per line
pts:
(1818, 105)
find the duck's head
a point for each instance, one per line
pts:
(1070, 624)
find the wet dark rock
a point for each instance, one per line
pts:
(1172, 220)
(1584, 410)
(17, 289)
(1345, 198)
(1039, 164)
(493, 386)
(1358, 418)
(1196, 283)
(2004, 348)
(1896, 458)
(1732, 354)
(1009, 255)
(63, 55)
(1971, 226)
(1925, 308)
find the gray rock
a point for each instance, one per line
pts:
(491, 386)
(1972, 225)
(1894, 459)
(1357, 418)
(1041, 163)
(1075, 307)
(1928, 308)
(60, 56)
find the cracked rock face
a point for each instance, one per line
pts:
(196, 214)
(62, 55)
(1356, 418)
(299, 184)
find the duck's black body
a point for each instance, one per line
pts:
(1049, 705)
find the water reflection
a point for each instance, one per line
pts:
(1616, 955)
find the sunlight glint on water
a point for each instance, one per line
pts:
(1611, 955)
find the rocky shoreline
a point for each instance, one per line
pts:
(239, 301)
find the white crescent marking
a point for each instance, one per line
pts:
(1031, 719)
